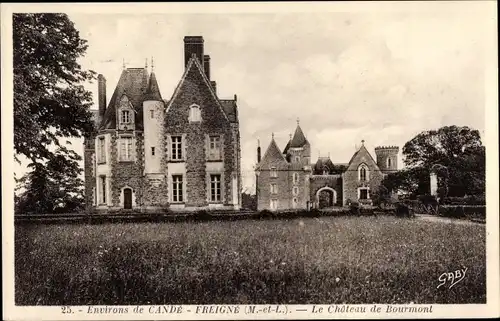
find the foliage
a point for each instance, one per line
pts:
(463, 211)
(49, 100)
(359, 260)
(466, 200)
(456, 153)
(403, 210)
(54, 187)
(411, 181)
(380, 196)
(248, 201)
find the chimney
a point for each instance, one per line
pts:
(193, 45)
(206, 65)
(258, 151)
(101, 94)
(214, 85)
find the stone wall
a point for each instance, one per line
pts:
(333, 181)
(194, 90)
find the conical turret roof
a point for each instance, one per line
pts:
(153, 91)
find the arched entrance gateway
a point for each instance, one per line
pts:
(326, 197)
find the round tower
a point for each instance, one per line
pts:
(387, 158)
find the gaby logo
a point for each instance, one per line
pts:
(451, 278)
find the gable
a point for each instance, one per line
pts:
(360, 157)
(272, 158)
(195, 89)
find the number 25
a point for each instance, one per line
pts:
(66, 309)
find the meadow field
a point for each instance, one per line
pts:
(329, 260)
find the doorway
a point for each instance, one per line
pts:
(127, 198)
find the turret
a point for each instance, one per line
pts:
(153, 112)
(387, 158)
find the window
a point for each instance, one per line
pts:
(214, 148)
(176, 147)
(295, 178)
(194, 113)
(297, 159)
(152, 113)
(101, 150)
(274, 204)
(363, 194)
(295, 202)
(125, 116)
(102, 181)
(215, 188)
(274, 173)
(126, 151)
(152, 151)
(177, 189)
(363, 172)
(274, 188)
(295, 190)
(389, 162)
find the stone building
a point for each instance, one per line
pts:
(152, 153)
(287, 180)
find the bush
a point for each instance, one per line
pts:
(354, 208)
(463, 211)
(202, 216)
(265, 214)
(403, 210)
(466, 200)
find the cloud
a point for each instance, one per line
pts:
(378, 76)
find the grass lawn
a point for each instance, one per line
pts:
(313, 260)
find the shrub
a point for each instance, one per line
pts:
(463, 211)
(265, 214)
(466, 200)
(354, 208)
(202, 215)
(403, 210)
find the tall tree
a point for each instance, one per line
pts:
(458, 149)
(52, 187)
(442, 146)
(50, 101)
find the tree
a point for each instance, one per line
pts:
(52, 187)
(49, 100)
(458, 149)
(411, 181)
(441, 146)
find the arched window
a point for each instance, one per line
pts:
(194, 113)
(295, 178)
(363, 172)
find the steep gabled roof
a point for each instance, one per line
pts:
(133, 83)
(359, 153)
(287, 147)
(153, 91)
(299, 139)
(230, 108)
(322, 163)
(194, 63)
(272, 157)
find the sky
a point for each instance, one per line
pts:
(349, 75)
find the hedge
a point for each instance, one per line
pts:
(463, 211)
(466, 200)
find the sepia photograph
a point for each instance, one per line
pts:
(250, 160)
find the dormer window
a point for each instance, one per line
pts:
(125, 116)
(194, 113)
